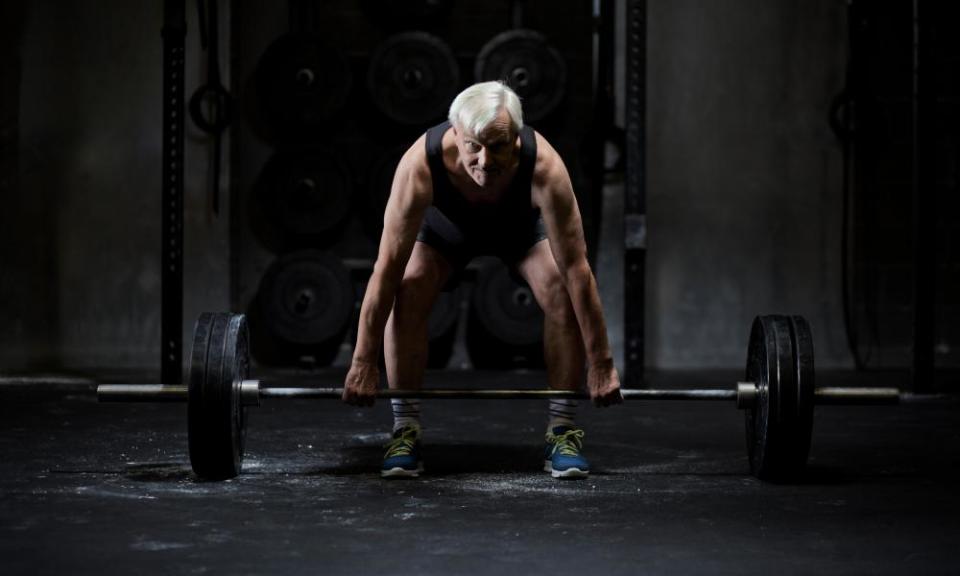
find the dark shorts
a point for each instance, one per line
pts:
(508, 241)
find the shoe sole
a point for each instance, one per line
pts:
(568, 473)
(398, 472)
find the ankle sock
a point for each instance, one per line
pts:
(406, 412)
(562, 413)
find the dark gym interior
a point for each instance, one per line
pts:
(768, 193)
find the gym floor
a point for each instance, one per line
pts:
(90, 488)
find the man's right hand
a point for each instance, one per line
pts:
(360, 387)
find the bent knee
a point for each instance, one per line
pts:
(417, 281)
(556, 304)
(415, 295)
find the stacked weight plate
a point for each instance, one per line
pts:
(216, 420)
(302, 309)
(779, 425)
(505, 324)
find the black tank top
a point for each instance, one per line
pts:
(513, 208)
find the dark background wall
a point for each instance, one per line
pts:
(80, 283)
(745, 178)
(744, 175)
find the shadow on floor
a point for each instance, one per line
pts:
(447, 459)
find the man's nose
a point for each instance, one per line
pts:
(482, 159)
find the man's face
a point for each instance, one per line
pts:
(487, 156)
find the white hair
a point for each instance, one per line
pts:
(477, 106)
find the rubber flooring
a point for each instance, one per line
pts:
(90, 488)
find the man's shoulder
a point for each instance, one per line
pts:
(413, 173)
(549, 165)
(414, 161)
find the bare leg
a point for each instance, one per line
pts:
(562, 343)
(565, 358)
(405, 337)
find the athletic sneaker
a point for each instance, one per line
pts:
(562, 458)
(402, 456)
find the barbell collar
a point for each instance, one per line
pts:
(746, 395)
(250, 393)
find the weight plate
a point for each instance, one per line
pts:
(489, 353)
(407, 14)
(306, 298)
(505, 324)
(802, 339)
(442, 328)
(300, 84)
(216, 418)
(778, 427)
(413, 77)
(506, 308)
(759, 365)
(305, 198)
(444, 314)
(528, 64)
(378, 191)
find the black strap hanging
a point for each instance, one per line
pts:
(212, 97)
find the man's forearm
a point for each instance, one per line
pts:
(585, 298)
(377, 303)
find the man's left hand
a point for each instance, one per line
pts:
(603, 382)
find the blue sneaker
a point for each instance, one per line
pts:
(562, 458)
(402, 456)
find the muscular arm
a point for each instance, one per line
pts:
(410, 196)
(553, 194)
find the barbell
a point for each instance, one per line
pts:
(777, 395)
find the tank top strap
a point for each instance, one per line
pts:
(528, 158)
(434, 145)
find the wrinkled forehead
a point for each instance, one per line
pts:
(500, 129)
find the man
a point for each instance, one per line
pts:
(482, 183)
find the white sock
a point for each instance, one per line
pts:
(562, 413)
(406, 412)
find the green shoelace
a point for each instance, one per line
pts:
(569, 443)
(402, 445)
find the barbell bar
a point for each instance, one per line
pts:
(251, 391)
(777, 395)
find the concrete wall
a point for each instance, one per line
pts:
(81, 280)
(744, 176)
